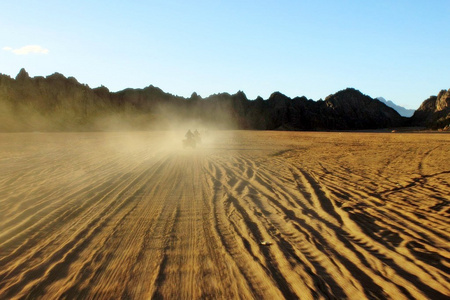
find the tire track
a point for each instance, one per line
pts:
(251, 215)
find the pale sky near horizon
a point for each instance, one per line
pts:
(398, 50)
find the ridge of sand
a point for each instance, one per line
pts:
(265, 215)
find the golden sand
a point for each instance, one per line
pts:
(266, 215)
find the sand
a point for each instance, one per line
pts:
(265, 215)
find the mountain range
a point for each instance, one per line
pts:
(401, 110)
(57, 103)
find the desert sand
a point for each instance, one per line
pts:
(246, 215)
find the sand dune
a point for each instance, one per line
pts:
(265, 215)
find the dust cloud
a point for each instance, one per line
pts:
(31, 115)
(164, 128)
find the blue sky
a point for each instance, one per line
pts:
(395, 49)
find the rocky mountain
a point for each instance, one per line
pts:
(434, 112)
(400, 109)
(59, 103)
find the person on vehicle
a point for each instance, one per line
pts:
(189, 135)
(197, 136)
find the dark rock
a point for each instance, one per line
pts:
(23, 75)
(434, 112)
(61, 103)
(351, 109)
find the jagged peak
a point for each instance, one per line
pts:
(278, 95)
(240, 95)
(151, 87)
(56, 75)
(23, 74)
(347, 91)
(73, 79)
(442, 93)
(218, 95)
(443, 100)
(101, 88)
(195, 96)
(302, 98)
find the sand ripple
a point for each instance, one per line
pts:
(266, 215)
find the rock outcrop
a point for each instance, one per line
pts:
(434, 112)
(351, 109)
(59, 103)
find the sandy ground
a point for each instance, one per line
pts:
(266, 215)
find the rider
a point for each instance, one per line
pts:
(198, 139)
(189, 135)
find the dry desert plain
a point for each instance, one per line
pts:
(251, 215)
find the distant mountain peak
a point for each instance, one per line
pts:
(401, 110)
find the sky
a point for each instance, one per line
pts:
(396, 49)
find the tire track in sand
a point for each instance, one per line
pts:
(228, 221)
